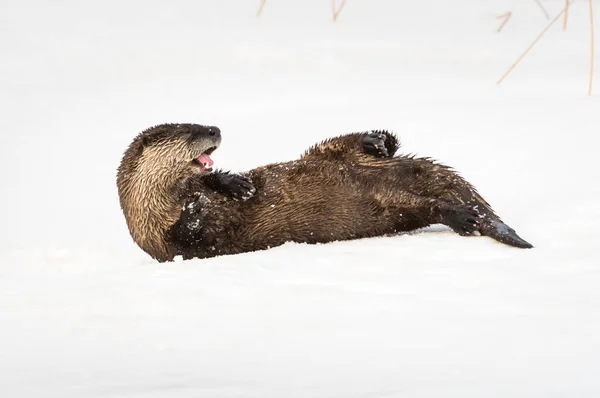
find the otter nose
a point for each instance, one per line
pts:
(214, 131)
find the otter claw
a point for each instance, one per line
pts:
(374, 144)
(381, 144)
(463, 219)
(195, 203)
(249, 193)
(237, 186)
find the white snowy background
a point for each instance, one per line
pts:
(85, 313)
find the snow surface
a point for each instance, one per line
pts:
(85, 313)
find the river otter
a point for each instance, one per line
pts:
(347, 187)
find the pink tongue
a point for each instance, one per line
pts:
(205, 160)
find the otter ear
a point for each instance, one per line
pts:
(154, 134)
(149, 140)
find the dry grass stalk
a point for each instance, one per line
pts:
(592, 48)
(531, 46)
(567, 4)
(339, 9)
(506, 16)
(260, 8)
(539, 3)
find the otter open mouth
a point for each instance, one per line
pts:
(204, 160)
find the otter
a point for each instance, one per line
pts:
(348, 187)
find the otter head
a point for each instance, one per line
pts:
(180, 146)
(150, 174)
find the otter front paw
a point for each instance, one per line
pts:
(463, 219)
(237, 186)
(380, 144)
(192, 212)
(194, 204)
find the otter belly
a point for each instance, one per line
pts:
(309, 202)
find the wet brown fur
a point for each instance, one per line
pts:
(335, 191)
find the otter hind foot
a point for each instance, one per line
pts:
(501, 232)
(380, 144)
(463, 219)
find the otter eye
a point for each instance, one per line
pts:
(211, 132)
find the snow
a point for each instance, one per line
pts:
(83, 312)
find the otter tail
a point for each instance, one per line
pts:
(497, 230)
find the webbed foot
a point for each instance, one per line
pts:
(463, 219)
(380, 144)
